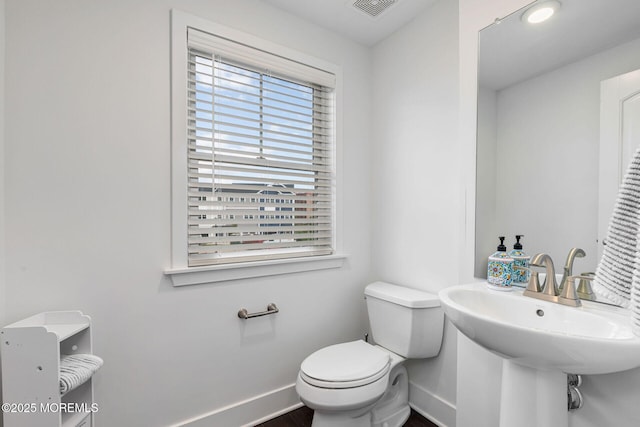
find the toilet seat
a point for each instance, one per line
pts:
(346, 365)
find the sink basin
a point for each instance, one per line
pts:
(540, 342)
(591, 339)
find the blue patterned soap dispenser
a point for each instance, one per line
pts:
(520, 259)
(500, 269)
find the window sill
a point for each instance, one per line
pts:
(223, 273)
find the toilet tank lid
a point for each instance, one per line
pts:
(408, 297)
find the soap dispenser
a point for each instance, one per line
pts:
(500, 268)
(520, 259)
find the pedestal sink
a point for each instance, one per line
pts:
(541, 342)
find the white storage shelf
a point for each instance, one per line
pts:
(31, 350)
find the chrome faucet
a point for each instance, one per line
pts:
(568, 266)
(549, 290)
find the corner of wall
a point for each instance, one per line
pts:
(2, 168)
(2, 160)
(414, 129)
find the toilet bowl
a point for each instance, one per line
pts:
(357, 384)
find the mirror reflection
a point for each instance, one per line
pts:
(538, 140)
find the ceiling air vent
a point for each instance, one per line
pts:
(373, 8)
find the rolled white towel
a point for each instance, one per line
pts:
(615, 272)
(75, 369)
(634, 304)
(635, 300)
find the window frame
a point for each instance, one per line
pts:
(180, 273)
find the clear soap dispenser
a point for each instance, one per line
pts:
(500, 268)
(520, 259)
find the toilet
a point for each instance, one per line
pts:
(358, 384)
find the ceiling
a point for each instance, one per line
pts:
(512, 51)
(343, 18)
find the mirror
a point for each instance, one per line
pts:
(538, 126)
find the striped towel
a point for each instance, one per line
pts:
(618, 273)
(635, 298)
(76, 369)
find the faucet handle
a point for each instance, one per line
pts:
(584, 285)
(569, 295)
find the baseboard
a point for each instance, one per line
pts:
(266, 406)
(431, 406)
(249, 412)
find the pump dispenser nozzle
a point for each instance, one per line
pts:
(501, 246)
(518, 245)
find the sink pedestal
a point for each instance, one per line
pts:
(532, 397)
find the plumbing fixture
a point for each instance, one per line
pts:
(568, 265)
(549, 290)
(574, 396)
(574, 380)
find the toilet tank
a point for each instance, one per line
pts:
(406, 321)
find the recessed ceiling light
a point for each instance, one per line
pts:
(540, 12)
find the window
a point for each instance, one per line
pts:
(255, 155)
(259, 161)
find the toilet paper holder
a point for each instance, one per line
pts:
(271, 309)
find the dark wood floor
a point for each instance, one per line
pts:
(302, 418)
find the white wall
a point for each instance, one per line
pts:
(3, 275)
(416, 180)
(609, 399)
(2, 163)
(88, 210)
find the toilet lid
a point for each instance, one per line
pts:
(345, 365)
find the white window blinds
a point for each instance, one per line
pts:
(260, 155)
